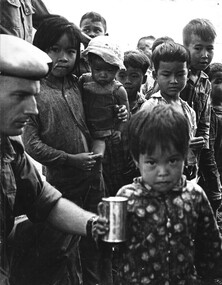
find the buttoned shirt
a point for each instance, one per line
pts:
(22, 190)
(136, 105)
(18, 17)
(168, 235)
(197, 95)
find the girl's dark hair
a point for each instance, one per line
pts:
(51, 30)
(164, 126)
(169, 52)
(200, 27)
(137, 59)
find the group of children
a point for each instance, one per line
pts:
(98, 135)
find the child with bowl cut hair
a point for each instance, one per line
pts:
(173, 237)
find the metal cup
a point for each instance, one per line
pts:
(115, 210)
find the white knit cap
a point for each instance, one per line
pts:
(107, 49)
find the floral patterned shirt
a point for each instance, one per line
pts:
(172, 237)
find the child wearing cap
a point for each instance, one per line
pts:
(102, 94)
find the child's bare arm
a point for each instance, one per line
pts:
(122, 99)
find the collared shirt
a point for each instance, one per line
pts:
(18, 17)
(217, 143)
(169, 234)
(197, 95)
(21, 189)
(157, 98)
(140, 99)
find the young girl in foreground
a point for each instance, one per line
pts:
(59, 139)
(173, 237)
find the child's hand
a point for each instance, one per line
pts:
(84, 161)
(99, 227)
(122, 113)
(197, 142)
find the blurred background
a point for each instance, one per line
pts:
(128, 20)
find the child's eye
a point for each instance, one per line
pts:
(98, 31)
(218, 81)
(54, 49)
(120, 75)
(173, 161)
(86, 30)
(210, 48)
(150, 162)
(72, 51)
(180, 73)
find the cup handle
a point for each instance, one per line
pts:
(102, 209)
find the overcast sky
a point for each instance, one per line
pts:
(128, 20)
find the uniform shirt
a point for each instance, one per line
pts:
(22, 190)
(18, 17)
(169, 234)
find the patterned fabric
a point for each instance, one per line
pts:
(197, 95)
(140, 99)
(169, 234)
(217, 143)
(210, 162)
(114, 164)
(118, 166)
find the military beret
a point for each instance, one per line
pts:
(21, 59)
